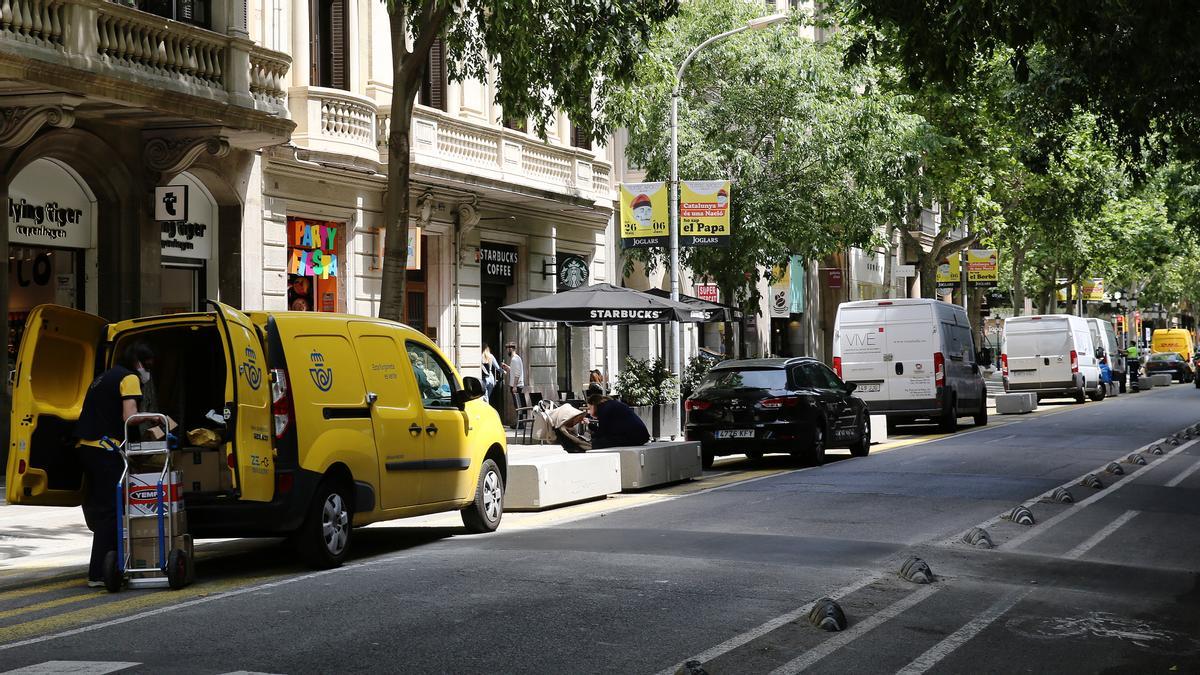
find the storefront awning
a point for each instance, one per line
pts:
(713, 311)
(602, 304)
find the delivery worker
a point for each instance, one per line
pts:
(111, 400)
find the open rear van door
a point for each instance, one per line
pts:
(248, 406)
(55, 366)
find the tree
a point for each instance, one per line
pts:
(1135, 65)
(547, 56)
(807, 143)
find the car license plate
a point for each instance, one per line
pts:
(734, 433)
(1024, 373)
(869, 387)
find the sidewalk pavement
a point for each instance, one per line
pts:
(43, 541)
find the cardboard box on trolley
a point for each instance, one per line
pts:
(144, 493)
(144, 527)
(143, 552)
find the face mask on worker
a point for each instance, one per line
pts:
(143, 374)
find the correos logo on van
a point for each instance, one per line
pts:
(322, 376)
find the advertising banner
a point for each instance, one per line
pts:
(704, 213)
(1093, 290)
(781, 291)
(708, 292)
(983, 266)
(948, 273)
(645, 212)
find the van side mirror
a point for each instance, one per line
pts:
(472, 389)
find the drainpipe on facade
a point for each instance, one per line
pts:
(466, 217)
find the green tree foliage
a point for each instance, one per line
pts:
(810, 145)
(1135, 65)
(547, 56)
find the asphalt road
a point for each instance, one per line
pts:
(724, 575)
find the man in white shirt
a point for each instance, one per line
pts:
(516, 372)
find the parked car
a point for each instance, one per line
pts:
(1170, 362)
(1104, 336)
(911, 358)
(794, 405)
(330, 421)
(1051, 355)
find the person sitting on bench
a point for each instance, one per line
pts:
(617, 425)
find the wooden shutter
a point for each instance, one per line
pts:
(433, 86)
(339, 75)
(580, 138)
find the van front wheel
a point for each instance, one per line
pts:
(484, 514)
(324, 537)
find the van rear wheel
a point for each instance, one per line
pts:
(324, 537)
(1100, 393)
(949, 420)
(483, 515)
(981, 416)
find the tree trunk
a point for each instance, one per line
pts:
(1018, 287)
(889, 252)
(396, 203)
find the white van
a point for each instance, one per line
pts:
(1052, 355)
(911, 359)
(1104, 336)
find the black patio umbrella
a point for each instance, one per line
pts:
(602, 304)
(714, 311)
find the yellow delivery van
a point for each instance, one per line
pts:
(299, 424)
(1176, 340)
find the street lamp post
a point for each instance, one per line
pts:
(758, 23)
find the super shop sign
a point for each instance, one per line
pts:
(313, 247)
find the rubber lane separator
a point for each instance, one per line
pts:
(774, 624)
(855, 631)
(1051, 522)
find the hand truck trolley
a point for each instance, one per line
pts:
(159, 500)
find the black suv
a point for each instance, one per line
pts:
(797, 406)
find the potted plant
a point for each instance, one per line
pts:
(650, 388)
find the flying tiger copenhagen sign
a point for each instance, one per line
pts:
(645, 214)
(704, 213)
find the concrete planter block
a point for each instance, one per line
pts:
(1113, 389)
(878, 429)
(1145, 382)
(540, 482)
(1016, 404)
(1161, 379)
(653, 464)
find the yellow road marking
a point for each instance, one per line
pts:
(135, 600)
(75, 581)
(50, 604)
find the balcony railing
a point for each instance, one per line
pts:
(121, 41)
(332, 120)
(492, 151)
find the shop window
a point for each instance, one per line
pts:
(40, 276)
(435, 83)
(315, 253)
(330, 50)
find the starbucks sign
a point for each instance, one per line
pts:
(573, 271)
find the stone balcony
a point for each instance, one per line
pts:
(484, 152)
(334, 121)
(104, 53)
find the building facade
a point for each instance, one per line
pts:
(103, 105)
(497, 213)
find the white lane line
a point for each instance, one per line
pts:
(852, 633)
(1044, 527)
(958, 638)
(1100, 536)
(1183, 475)
(73, 668)
(779, 621)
